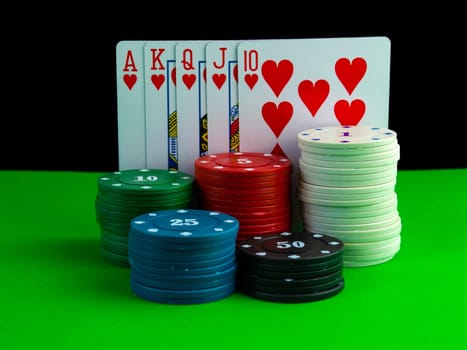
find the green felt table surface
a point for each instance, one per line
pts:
(58, 292)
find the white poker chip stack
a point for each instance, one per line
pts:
(346, 189)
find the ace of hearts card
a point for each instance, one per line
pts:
(131, 104)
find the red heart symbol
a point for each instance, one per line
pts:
(313, 95)
(235, 72)
(173, 75)
(350, 73)
(277, 117)
(189, 80)
(278, 150)
(277, 75)
(251, 80)
(349, 114)
(204, 74)
(219, 80)
(158, 80)
(130, 80)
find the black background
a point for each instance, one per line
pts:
(59, 100)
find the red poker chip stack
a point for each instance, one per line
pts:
(253, 187)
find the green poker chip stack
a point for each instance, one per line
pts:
(126, 194)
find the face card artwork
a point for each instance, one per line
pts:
(222, 96)
(160, 100)
(289, 85)
(191, 103)
(130, 105)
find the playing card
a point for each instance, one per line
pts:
(286, 86)
(160, 100)
(191, 103)
(130, 105)
(222, 96)
(289, 85)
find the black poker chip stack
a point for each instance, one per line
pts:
(290, 267)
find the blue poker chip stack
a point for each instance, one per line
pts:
(185, 256)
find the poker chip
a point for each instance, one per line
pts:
(347, 137)
(372, 225)
(182, 297)
(198, 268)
(358, 190)
(351, 221)
(253, 187)
(320, 270)
(347, 180)
(243, 164)
(290, 267)
(145, 181)
(123, 195)
(353, 161)
(217, 278)
(379, 252)
(174, 266)
(293, 286)
(368, 248)
(183, 256)
(341, 201)
(346, 189)
(344, 155)
(330, 169)
(349, 212)
(291, 247)
(193, 225)
(296, 297)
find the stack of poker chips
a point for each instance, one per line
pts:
(125, 194)
(346, 188)
(253, 187)
(184, 256)
(290, 267)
